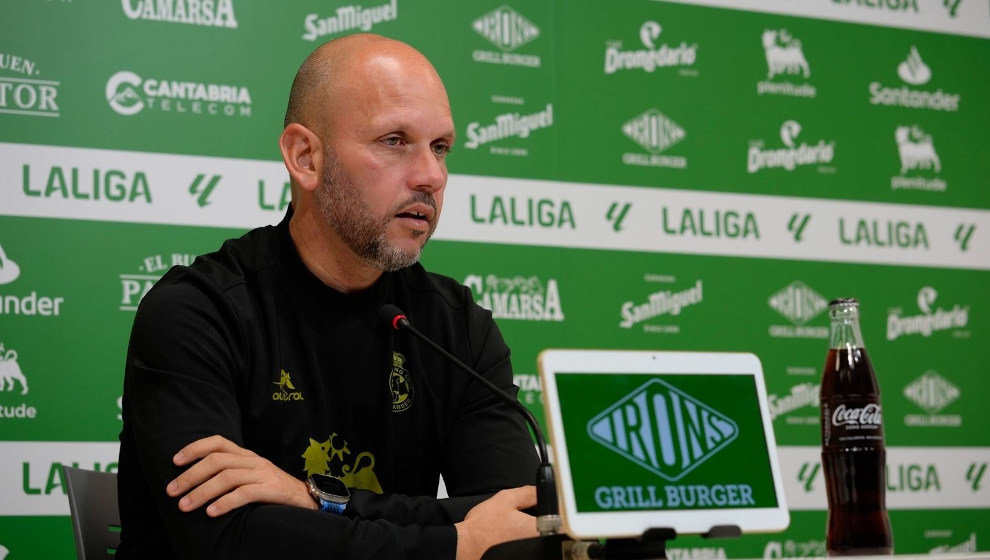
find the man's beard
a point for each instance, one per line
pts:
(363, 232)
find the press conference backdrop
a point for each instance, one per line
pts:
(696, 175)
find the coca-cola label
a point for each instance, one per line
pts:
(852, 422)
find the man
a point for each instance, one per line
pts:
(267, 361)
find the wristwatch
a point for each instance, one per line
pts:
(330, 493)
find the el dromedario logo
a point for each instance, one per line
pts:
(792, 155)
(931, 319)
(652, 55)
(663, 429)
(785, 57)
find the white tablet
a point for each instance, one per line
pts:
(661, 439)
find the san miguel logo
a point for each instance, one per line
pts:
(508, 125)
(913, 72)
(792, 155)
(652, 55)
(918, 157)
(286, 390)
(349, 18)
(663, 429)
(785, 57)
(24, 90)
(932, 392)
(930, 320)
(133, 287)
(400, 383)
(517, 297)
(802, 395)
(208, 13)
(654, 132)
(30, 304)
(128, 94)
(507, 30)
(658, 304)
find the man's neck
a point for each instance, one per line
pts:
(327, 256)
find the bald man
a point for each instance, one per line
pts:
(266, 364)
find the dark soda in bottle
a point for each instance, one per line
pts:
(853, 454)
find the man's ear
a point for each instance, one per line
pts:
(302, 152)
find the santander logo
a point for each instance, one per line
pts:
(867, 415)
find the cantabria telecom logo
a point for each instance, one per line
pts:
(918, 159)
(24, 89)
(785, 58)
(349, 18)
(799, 304)
(913, 71)
(654, 132)
(932, 393)
(508, 125)
(652, 55)
(208, 13)
(517, 297)
(930, 320)
(128, 94)
(32, 304)
(663, 429)
(660, 304)
(508, 30)
(133, 287)
(792, 155)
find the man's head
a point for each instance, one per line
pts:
(367, 130)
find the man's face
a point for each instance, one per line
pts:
(385, 170)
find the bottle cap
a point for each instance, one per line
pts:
(843, 302)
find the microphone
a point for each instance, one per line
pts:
(547, 513)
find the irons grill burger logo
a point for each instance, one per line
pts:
(869, 415)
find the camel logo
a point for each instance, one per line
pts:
(10, 371)
(663, 429)
(653, 56)
(931, 392)
(286, 390)
(517, 297)
(333, 457)
(914, 70)
(400, 383)
(784, 54)
(916, 149)
(930, 320)
(9, 270)
(792, 154)
(654, 131)
(506, 28)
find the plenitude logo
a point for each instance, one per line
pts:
(792, 155)
(30, 305)
(913, 71)
(128, 94)
(799, 304)
(22, 89)
(785, 57)
(652, 56)
(931, 319)
(13, 382)
(654, 132)
(208, 13)
(349, 18)
(932, 392)
(134, 287)
(917, 154)
(517, 297)
(506, 29)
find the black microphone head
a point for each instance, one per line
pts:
(392, 315)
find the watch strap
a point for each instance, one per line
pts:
(326, 506)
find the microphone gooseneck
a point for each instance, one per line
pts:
(548, 515)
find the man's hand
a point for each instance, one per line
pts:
(496, 520)
(237, 475)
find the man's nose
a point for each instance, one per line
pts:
(429, 173)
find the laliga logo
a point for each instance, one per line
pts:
(649, 32)
(122, 93)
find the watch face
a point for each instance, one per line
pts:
(330, 485)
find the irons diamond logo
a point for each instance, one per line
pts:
(797, 302)
(506, 28)
(654, 131)
(931, 392)
(663, 429)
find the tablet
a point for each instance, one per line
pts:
(647, 440)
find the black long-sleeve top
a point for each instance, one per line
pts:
(248, 344)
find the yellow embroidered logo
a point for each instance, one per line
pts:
(324, 457)
(400, 383)
(286, 391)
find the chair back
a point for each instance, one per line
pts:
(95, 516)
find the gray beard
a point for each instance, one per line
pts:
(353, 221)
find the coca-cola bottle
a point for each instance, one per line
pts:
(853, 454)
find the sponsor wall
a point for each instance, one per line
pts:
(637, 174)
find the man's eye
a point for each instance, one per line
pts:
(441, 149)
(392, 141)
